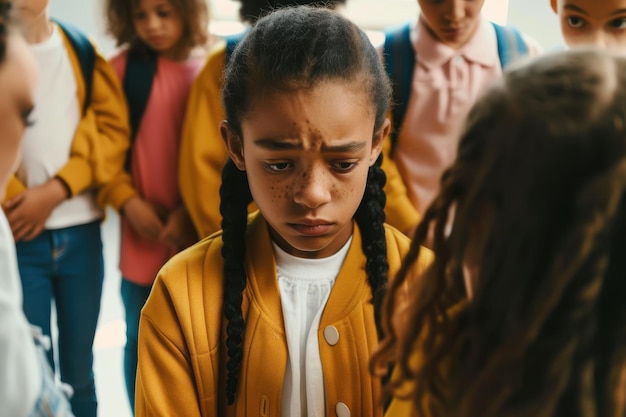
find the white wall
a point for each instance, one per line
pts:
(87, 15)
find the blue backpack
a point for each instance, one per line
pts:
(399, 57)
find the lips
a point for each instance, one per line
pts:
(156, 40)
(311, 228)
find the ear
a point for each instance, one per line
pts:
(379, 137)
(554, 5)
(234, 144)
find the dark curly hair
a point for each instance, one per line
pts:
(251, 10)
(538, 192)
(297, 48)
(5, 8)
(194, 13)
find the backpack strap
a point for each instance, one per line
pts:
(86, 56)
(399, 58)
(141, 67)
(232, 41)
(511, 45)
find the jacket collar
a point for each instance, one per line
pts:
(261, 267)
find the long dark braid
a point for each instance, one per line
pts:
(234, 199)
(370, 217)
(297, 48)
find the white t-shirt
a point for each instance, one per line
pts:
(20, 369)
(46, 145)
(305, 286)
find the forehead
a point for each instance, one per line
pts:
(594, 8)
(327, 110)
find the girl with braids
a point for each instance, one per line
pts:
(277, 314)
(202, 151)
(522, 311)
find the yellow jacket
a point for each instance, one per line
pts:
(102, 135)
(400, 211)
(202, 151)
(181, 344)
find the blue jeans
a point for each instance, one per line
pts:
(134, 296)
(67, 266)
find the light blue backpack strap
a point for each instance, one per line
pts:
(399, 58)
(511, 44)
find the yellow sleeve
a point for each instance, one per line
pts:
(165, 383)
(202, 151)
(117, 191)
(400, 211)
(102, 136)
(14, 187)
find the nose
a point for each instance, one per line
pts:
(600, 39)
(153, 21)
(454, 10)
(312, 189)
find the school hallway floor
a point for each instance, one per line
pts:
(110, 335)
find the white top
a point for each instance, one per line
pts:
(20, 371)
(46, 145)
(304, 286)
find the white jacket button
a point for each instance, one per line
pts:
(331, 334)
(342, 410)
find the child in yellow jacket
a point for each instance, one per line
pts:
(77, 140)
(278, 313)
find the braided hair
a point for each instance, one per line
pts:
(297, 48)
(538, 192)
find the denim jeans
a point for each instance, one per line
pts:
(134, 296)
(67, 266)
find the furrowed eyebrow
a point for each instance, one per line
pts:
(348, 147)
(277, 144)
(281, 145)
(618, 12)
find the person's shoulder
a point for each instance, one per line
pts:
(194, 260)
(118, 58)
(214, 63)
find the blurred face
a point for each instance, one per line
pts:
(452, 22)
(28, 10)
(160, 26)
(18, 80)
(601, 23)
(307, 154)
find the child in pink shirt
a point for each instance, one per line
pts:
(163, 53)
(456, 54)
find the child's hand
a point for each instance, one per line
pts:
(143, 217)
(178, 232)
(28, 212)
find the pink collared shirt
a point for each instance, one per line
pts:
(446, 83)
